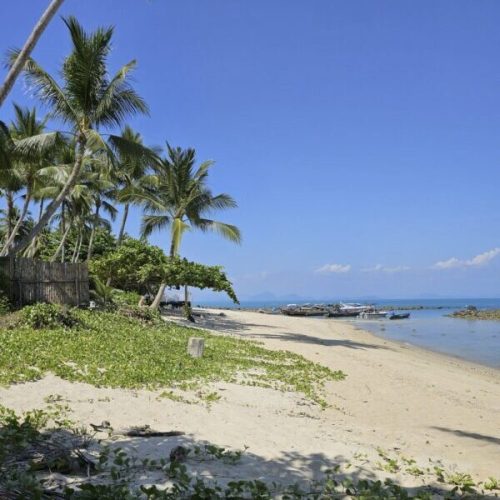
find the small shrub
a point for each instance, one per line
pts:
(123, 298)
(43, 315)
(143, 314)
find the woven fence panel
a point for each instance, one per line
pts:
(28, 281)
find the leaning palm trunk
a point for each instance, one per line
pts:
(92, 234)
(56, 202)
(73, 257)
(23, 56)
(15, 229)
(78, 246)
(79, 250)
(122, 228)
(40, 213)
(61, 244)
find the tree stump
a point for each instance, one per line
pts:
(196, 346)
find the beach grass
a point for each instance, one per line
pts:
(108, 349)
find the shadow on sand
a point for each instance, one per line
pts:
(286, 469)
(223, 324)
(470, 435)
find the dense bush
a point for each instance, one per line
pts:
(42, 315)
(124, 298)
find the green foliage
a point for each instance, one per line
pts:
(108, 349)
(101, 292)
(131, 266)
(143, 314)
(4, 304)
(43, 315)
(124, 298)
(136, 266)
(180, 272)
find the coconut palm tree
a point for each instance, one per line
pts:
(25, 172)
(10, 218)
(182, 200)
(87, 100)
(131, 177)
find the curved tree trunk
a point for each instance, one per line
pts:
(61, 244)
(15, 229)
(23, 56)
(56, 202)
(78, 247)
(75, 250)
(159, 296)
(41, 208)
(156, 302)
(92, 234)
(122, 228)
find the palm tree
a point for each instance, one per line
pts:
(87, 100)
(25, 170)
(24, 54)
(131, 177)
(10, 218)
(81, 209)
(182, 200)
(10, 181)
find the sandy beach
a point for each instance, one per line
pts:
(406, 401)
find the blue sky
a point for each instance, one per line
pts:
(361, 139)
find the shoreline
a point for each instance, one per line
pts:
(350, 323)
(428, 351)
(415, 398)
(418, 350)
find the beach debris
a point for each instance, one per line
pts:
(103, 426)
(145, 431)
(196, 346)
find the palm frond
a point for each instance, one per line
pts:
(119, 99)
(152, 223)
(32, 148)
(132, 150)
(227, 231)
(47, 89)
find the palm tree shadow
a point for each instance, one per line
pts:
(471, 435)
(222, 324)
(285, 469)
(310, 339)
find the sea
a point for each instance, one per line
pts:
(430, 328)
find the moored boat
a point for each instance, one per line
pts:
(373, 314)
(347, 310)
(304, 310)
(399, 316)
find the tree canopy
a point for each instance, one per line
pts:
(137, 266)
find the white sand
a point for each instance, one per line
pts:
(396, 397)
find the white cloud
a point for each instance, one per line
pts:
(479, 260)
(379, 268)
(334, 268)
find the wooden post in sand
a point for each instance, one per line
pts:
(196, 346)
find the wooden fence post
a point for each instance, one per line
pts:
(196, 346)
